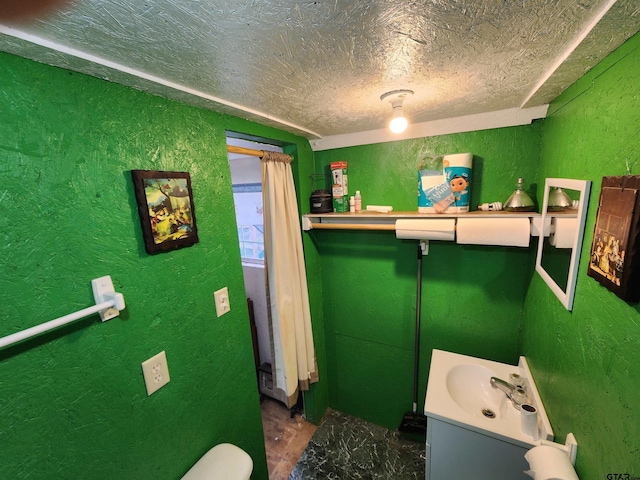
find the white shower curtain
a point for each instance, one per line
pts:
(294, 363)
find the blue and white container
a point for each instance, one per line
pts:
(434, 194)
(427, 179)
(457, 172)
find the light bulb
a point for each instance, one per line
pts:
(398, 123)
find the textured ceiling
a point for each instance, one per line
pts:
(318, 68)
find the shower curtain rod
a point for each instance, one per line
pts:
(252, 152)
(244, 151)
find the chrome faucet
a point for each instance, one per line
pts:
(517, 395)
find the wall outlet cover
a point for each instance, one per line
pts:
(156, 372)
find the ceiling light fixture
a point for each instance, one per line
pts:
(398, 123)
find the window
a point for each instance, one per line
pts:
(248, 202)
(246, 178)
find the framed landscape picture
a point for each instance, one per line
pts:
(165, 206)
(614, 261)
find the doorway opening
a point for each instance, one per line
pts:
(286, 431)
(246, 179)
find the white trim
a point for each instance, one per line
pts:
(562, 58)
(468, 123)
(66, 50)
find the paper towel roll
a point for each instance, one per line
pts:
(514, 232)
(458, 159)
(549, 463)
(564, 233)
(536, 227)
(426, 229)
(457, 171)
(529, 421)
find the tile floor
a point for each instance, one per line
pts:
(341, 448)
(346, 448)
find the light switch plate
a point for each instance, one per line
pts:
(156, 372)
(221, 298)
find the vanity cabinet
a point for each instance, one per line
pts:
(455, 453)
(473, 430)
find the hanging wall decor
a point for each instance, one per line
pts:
(614, 261)
(165, 206)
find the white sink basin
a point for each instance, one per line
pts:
(468, 385)
(459, 393)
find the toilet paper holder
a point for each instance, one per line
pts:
(570, 447)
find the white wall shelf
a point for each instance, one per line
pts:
(386, 221)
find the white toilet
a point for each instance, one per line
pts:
(222, 462)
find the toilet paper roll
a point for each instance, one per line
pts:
(549, 463)
(426, 229)
(529, 421)
(564, 232)
(515, 232)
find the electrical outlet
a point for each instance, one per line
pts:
(156, 372)
(222, 301)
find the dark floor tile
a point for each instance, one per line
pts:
(345, 448)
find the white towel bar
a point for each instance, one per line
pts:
(108, 305)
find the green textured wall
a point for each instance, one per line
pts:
(73, 402)
(586, 362)
(472, 296)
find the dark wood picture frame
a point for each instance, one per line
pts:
(614, 261)
(166, 209)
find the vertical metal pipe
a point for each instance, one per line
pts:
(416, 354)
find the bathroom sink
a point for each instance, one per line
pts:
(468, 386)
(459, 393)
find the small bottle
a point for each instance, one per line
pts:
(352, 204)
(358, 201)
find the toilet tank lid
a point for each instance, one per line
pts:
(223, 462)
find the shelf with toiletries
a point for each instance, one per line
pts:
(563, 216)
